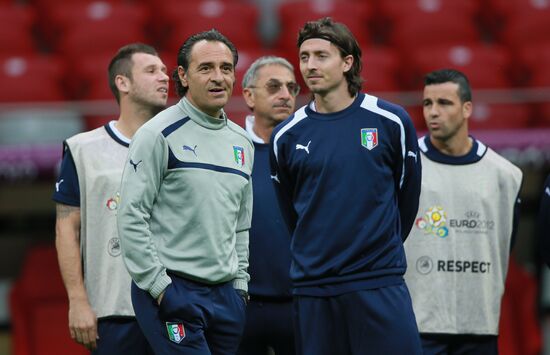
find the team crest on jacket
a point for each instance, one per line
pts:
(238, 154)
(369, 138)
(176, 332)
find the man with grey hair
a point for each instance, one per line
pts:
(270, 90)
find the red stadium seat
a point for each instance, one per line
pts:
(396, 10)
(39, 307)
(499, 116)
(89, 76)
(293, 15)
(429, 29)
(16, 26)
(30, 78)
(534, 59)
(529, 27)
(485, 66)
(65, 17)
(42, 5)
(379, 69)
(89, 39)
(510, 8)
(12, 15)
(16, 41)
(193, 17)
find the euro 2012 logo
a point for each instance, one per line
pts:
(433, 222)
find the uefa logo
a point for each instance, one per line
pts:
(424, 265)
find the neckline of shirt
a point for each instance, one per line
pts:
(200, 117)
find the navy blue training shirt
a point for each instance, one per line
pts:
(349, 184)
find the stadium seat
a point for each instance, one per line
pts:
(14, 15)
(527, 28)
(485, 66)
(431, 29)
(499, 116)
(39, 307)
(533, 60)
(42, 5)
(30, 78)
(293, 15)
(396, 10)
(16, 28)
(89, 39)
(63, 18)
(379, 69)
(16, 41)
(193, 17)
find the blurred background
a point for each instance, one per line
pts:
(53, 84)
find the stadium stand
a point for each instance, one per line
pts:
(62, 18)
(31, 78)
(56, 52)
(183, 21)
(17, 22)
(379, 70)
(292, 16)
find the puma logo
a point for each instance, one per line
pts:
(275, 177)
(412, 154)
(186, 147)
(135, 165)
(57, 184)
(304, 147)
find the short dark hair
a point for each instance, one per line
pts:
(184, 54)
(339, 35)
(451, 75)
(121, 63)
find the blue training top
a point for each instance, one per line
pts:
(269, 236)
(348, 183)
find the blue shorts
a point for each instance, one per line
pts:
(268, 325)
(377, 321)
(121, 335)
(458, 344)
(192, 318)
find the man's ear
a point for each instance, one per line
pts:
(182, 74)
(122, 83)
(348, 62)
(248, 98)
(467, 109)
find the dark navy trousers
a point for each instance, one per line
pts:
(459, 344)
(268, 325)
(120, 335)
(192, 319)
(378, 321)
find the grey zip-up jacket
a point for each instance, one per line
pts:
(186, 200)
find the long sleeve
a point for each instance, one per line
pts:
(409, 190)
(283, 184)
(241, 244)
(141, 181)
